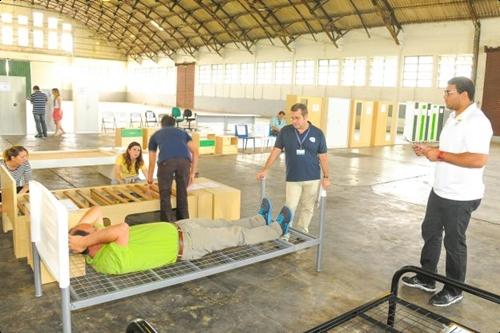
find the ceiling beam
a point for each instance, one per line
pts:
(388, 17)
(360, 18)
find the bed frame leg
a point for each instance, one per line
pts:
(319, 253)
(66, 311)
(36, 271)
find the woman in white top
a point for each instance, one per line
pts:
(57, 111)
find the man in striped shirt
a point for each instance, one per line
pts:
(39, 101)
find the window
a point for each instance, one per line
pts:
(205, 74)
(6, 17)
(66, 27)
(232, 73)
(417, 71)
(217, 74)
(247, 73)
(454, 65)
(304, 72)
(354, 72)
(383, 71)
(52, 41)
(38, 19)
(283, 72)
(52, 22)
(22, 20)
(22, 36)
(328, 72)
(38, 38)
(264, 73)
(67, 41)
(7, 38)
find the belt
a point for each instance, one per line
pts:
(181, 242)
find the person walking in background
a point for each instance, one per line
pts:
(39, 101)
(57, 111)
(458, 187)
(178, 157)
(305, 157)
(277, 123)
(128, 164)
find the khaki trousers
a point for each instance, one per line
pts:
(300, 198)
(202, 236)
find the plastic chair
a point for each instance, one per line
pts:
(271, 136)
(122, 119)
(150, 119)
(177, 115)
(108, 121)
(188, 117)
(135, 119)
(241, 131)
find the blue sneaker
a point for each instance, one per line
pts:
(266, 210)
(284, 218)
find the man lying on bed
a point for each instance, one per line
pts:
(119, 249)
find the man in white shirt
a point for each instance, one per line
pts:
(457, 191)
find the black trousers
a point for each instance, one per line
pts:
(179, 169)
(453, 218)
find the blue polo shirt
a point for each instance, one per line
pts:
(172, 143)
(301, 167)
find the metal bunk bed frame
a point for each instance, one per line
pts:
(390, 313)
(49, 232)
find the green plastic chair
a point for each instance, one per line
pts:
(177, 115)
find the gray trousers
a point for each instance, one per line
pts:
(41, 126)
(452, 217)
(202, 236)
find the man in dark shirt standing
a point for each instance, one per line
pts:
(178, 157)
(39, 101)
(305, 156)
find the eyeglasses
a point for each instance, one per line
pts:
(448, 92)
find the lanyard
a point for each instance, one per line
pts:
(304, 138)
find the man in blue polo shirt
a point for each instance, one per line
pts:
(305, 156)
(39, 101)
(178, 157)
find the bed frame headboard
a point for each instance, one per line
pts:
(49, 232)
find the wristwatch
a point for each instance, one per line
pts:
(326, 177)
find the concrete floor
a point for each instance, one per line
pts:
(374, 209)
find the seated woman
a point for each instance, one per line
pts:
(119, 249)
(128, 164)
(15, 160)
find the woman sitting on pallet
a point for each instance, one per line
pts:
(119, 249)
(15, 160)
(128, 164)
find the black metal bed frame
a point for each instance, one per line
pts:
(393, 314)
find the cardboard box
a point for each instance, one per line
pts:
(146, 135)
(225, 144)
(124, 136)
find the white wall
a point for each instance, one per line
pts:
(432, 39)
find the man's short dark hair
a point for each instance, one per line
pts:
(78, 232)
(167, 121)
(299, 107)
(36, 88)
(281, 113)
(462, 84)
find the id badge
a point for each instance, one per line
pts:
(301, 151)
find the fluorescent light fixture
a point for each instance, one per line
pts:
(156, 25)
